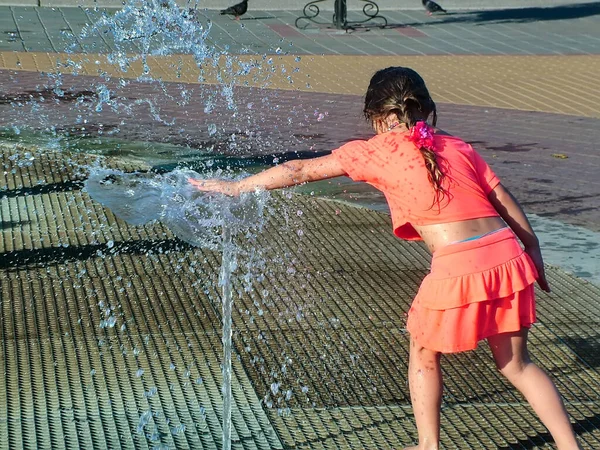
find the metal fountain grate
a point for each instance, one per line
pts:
(320, 341)
(70, 383)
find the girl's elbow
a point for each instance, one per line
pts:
(296, 171)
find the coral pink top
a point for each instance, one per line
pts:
(393, 164)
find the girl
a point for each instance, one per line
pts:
(481, 281)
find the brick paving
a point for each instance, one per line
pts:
(557, 84)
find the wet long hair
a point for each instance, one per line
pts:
(402, 91)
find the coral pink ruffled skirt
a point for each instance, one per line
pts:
(475, 289)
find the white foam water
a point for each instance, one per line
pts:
(201, 219)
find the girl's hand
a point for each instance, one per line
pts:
(536, 256)
(214, 185)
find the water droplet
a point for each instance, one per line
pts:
(178, 429)
(160, 446)
(151, 392)
(144, 419)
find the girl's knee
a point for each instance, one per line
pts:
(510, 352)
(423, 354)
(513, 368)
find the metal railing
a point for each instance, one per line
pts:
(311, 13)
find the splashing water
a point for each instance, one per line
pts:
(195, 218)
(141, 31)
(144, 29)
(227, 268)
(157, 28)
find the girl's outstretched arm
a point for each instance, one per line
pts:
(290, 173)
(512, 213)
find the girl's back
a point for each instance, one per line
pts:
(393, 164)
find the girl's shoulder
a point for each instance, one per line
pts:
(447, 142)
(395, 140)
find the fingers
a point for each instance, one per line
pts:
(543, 283)
(541, 280)
(214, 185)
(203, 185)
(538, 262)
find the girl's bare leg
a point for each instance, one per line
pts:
(425, 380)
(512, 360)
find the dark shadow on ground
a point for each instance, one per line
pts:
(19, 259)
(512, 15)
(513, 147)
(199, 164)
(227, 163)
(580, 426)
(4, 225)
(535, 14)
(63, 186)
(47, 94)
(587, 349)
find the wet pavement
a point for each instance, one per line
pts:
(111, 332)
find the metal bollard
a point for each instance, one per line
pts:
(340, 13)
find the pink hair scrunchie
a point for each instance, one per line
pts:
(422, 135)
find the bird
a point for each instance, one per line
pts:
(236, 10)
(432, 7)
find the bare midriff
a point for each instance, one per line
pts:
(441, 234)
